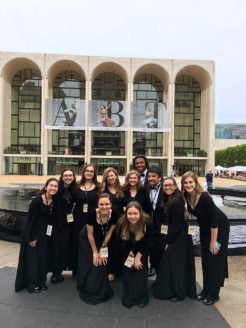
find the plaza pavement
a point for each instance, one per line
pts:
(61, 307)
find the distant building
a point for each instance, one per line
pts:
(229, 135)
(59, 111)
(230, 131)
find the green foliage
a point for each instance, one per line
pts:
(231, 156)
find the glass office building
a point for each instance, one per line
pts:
(60, 111)
(230, 131)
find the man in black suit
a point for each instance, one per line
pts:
(141, 164)
(154, 195)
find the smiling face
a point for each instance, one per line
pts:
(133, 215)
(111, 178)
(67, 178)
(104, 205)
(169, 186)
(140, 164)
(52, 188)
(153, 179)
(189, 185)
(133, 179)
(89, 173)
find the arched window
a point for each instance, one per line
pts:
(26, 111)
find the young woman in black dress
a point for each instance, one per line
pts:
(94, 252)
(214, 235)
(111, 184)
(63, 227)
(32, 266)
(135, 235)
(176, 272)
(86, 197)
(133, 189)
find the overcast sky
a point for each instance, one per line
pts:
(174, 29)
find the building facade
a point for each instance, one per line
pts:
(59, 111)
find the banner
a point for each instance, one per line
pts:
(65, 114)
(77, 114)
(150, 116)
(105, 115)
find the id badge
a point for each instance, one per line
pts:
(129, 261)
(191, 230)
(49, 230)
(164, 229)
(103, 252)
(85, 208)
(69, 217)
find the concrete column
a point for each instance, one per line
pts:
(2, 162)
(88, 96)
(129, 138)
(44, 132)
(171, 107)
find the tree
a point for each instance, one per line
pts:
(231, 156)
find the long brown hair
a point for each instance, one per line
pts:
(104, 184)
(123, 225)
(198, 188)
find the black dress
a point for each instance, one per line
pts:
(32, 266)
(81, 212)
(176, 272)
(140, 197)
(61, 239)
(135, 282)
(214, 267)
(93, 281)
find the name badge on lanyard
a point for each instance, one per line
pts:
(49, 230)
(70, 218)
(85, 208)
(164, 229)
(191, 230)
(103, 252)
(129, 261)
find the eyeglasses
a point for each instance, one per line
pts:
(168, 185)
(67, 175)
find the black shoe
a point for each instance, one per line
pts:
(54, 279)
(210, 300)
(143, 303)
(151, 272)
(60, 278)
(175, 299)
(34, 289)
(126, 304)
(200, 296)
(43, 286)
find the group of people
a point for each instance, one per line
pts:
(107, 231)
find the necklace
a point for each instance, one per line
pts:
(87, 188)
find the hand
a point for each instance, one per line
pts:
(96, 259)
(104, 260)
(33, 243)
(213, 247)
(137, 264)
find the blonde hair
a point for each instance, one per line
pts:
(124, 225)
(104, 185)
(198, 188)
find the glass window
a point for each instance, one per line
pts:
(187, 115)
(26, 94)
